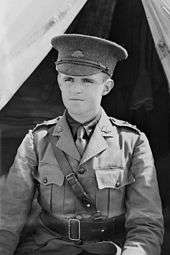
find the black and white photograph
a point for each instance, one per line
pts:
(85, 127)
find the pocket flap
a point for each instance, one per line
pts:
(110, 178)
(50, 174)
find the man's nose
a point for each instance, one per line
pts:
(78, 87)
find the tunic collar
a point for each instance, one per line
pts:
(88, 126)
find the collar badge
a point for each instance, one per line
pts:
(59, 129)
(105, 129)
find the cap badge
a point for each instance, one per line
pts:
(77, 54)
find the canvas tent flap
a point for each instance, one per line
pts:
(25, 37)
(158, 16)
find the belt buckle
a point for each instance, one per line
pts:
(74, 226)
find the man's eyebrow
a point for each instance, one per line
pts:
(68, 77)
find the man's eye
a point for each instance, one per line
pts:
(68, 79)
(86, 80)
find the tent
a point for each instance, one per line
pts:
(141, 95)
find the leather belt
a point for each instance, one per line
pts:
(74, 229)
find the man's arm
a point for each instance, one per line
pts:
(16, 196)
(144, 220)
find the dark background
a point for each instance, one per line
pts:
(140, 95)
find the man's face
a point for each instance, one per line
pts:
(82, 94)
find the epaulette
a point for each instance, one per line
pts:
(126, 124)
(46, 124)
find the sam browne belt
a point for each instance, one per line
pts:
(95, 228)
(90, 229)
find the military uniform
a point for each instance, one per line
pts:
(117, 170)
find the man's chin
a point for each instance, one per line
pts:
(77, 112)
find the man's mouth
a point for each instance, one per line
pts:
(76, 99)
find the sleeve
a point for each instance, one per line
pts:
(144, 219)
(16, 196)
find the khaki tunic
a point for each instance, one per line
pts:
(117, 170)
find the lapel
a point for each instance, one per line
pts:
(98, 140)
(64, 140)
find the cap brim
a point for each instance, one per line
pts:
(77, 69)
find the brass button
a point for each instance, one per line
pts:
(81, 170)
(117, 184)
(45, 180)
(88, 205)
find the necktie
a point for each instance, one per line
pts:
(81, 141)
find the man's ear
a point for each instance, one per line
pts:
(59, 79)
(108, 85)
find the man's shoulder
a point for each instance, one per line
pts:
(125, 125)
(45, 125)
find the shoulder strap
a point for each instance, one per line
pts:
(125, 124)
(72, 179)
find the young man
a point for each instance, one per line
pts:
(94, 175)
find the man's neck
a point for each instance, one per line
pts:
(84, 118)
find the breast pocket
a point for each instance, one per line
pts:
(51, 181)
(113, 178)
(112, 184)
